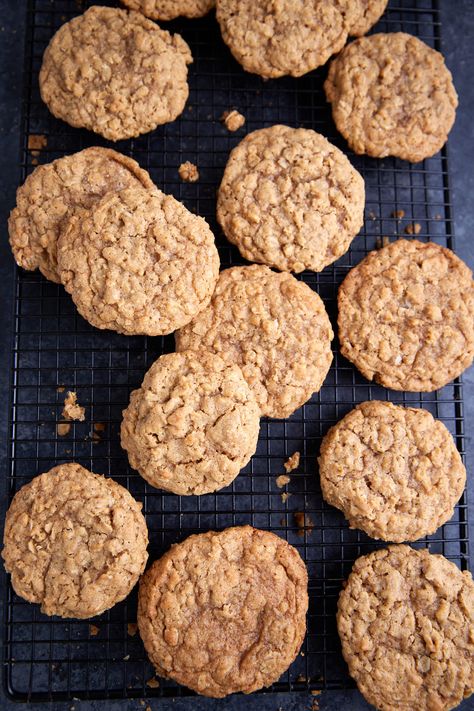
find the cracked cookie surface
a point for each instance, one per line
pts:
(392, 95)
(192, 425)
(274, 327)
(290, 199)
(169, 9)
(393, 471)
(406, 316)
(138, 262)
(406, 623)
(115, 72)
(56, 191)
(74, 541)
(224, 612)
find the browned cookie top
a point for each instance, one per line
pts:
(192, 425)
(406, 316)
(74, 541)
(224, 612)
(169, 9)
(138, 262)
(370, 11)
(406, 623)
(392, 95)
(115, 72)
(274, 327)
(55, 191)
(290, 199)
(394, 471)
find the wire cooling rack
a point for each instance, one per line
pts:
(55, 349)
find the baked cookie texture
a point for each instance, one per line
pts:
(274, 327)
(138, 262)
(290, 199)
(392, 95)
(192, 425)
(406, 316)
(370, 11)
(169, 9)
(74, 541)
(224, 612)
(393, 471)
(56, 191)
(115, 72)
(405, 619)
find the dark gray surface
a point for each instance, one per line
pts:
(458, 44)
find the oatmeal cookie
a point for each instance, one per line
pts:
(193, 424)
(392, 95)
(169, 9)
(57, 190)
(406, 316)
(74, 541)
(224, 612)
(393, 471)
(278, 37)
(115, 72)
(274, 327)
(138, 262)
(370, 11)
(290, 199)
(406, 623)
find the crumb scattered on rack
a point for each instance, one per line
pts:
(282, 480)
(233, 120)
(97, 429)
(36, 142)
(301, 678)
(63, 428)
(316, 692)
(414, 228)
(126, 658)
(94, 630)
(72, 410)
(188, 172)
(142, 702)
(285, 496)
(153, 683)
(398, 214)
(304, 522)
(382, 241)
(372, 215)
(438, 217)
(132, 629)
(292, 462)
(148, 708)
(60, 389)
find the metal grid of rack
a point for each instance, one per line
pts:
(55, 349)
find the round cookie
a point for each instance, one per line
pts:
(406, 316)
(74, 541)
(55, 191)
(224, 612)
(393, 471)
(169, 9)
(274, 327)
(392, 95)
(115, 72)
(285, 37)
(138, 262)
(370, 12)
(290, 199)
(193, 424)
(405, 619)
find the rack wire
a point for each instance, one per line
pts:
(55, 349)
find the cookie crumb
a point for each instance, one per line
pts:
(316, 692)
(438, 217)
(285, 496)
(292, 462)
(63, 428)
(142, 702)
(36, 142)
(372, 215)
(233, 120)
(188, 172)
(282, 480)
(94, 630)
(398, 214)
(153, 683)
(382, 241)
(72, 410)
(99, 426)
(414, 228)
(60, 389)
(126, 657)
(301, 678)
(148, 708)
(304, 522)
(132, 628)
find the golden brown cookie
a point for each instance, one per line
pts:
(169, 9)
(115, 72)
(277, 37)
(74, 541)
(138, 262)
(192, 425)
(393, 471)
(55, 192)
(224, 612)
(290, 199)
(392, 95)
(406, 316)
(406, 623)
(274, 327)
(370, 12)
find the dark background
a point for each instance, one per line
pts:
(458, 48)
